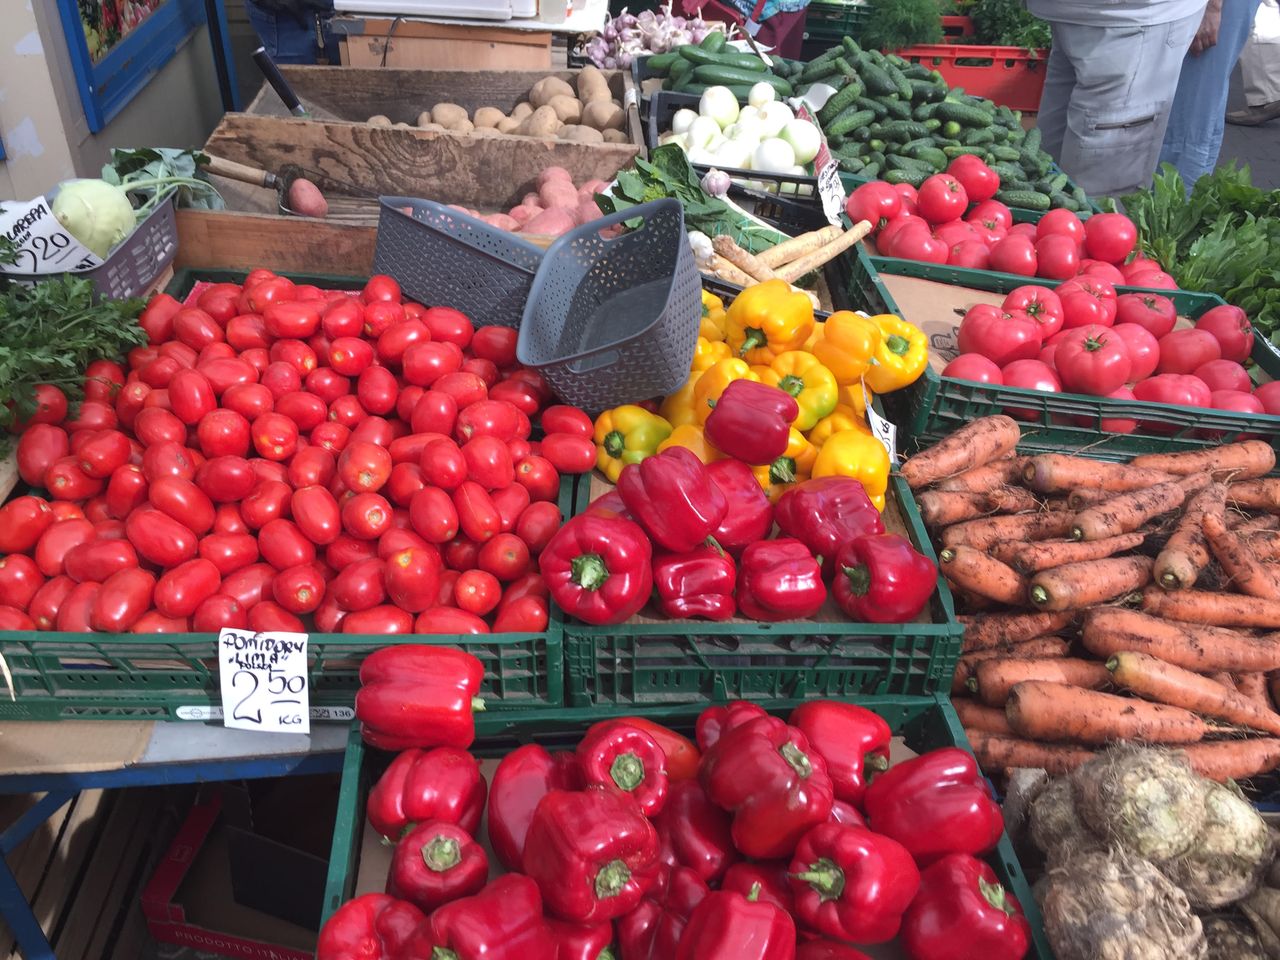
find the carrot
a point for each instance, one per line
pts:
(1244, 570)
(1256, 494)
(973, 445)
(993, 629)
(942, 508)
(1215, 609)
(1263, 544)
(1186, 553)
(1029, 558)
(1079, 499)
(1040, 647)
(1238, 461)
(983, 478)
(995, 754)
(1014, 500)
(1080, 585)
(985, 533)
(1224, 678)
(987, 577)
(1224, 760)
(975, 716)
(1246, 527)
(1114, 630)
(1162, 682)
(1057, 472)
(993, 679)
(1129, 511)
(1054, 711)
(1253, 686)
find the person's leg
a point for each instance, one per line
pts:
(1260, 71)
(1196, 120)
(285, 38)
(1126, 78)
(1059, 80)
(783, 33)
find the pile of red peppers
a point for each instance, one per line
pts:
(767, 839)
(697, 537)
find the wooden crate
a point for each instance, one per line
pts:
(442, 46)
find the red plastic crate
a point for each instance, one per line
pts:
(1012, 76)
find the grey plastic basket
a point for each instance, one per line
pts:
(615, 319)
(133, 266)
(442, 257)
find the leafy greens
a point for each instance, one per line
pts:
(151, 174)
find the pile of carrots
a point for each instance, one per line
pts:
(1105, 601)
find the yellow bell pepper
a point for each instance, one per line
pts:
(766, 320)
(901, 357)
(709, 352)
(841, 418)
(625, 435)
(805, 378)
(848, 345)
(712, 326)
(857, 397)
(677, 408)
(852, 453)
(795, 464)
(713, 381)
(691, 437)
(819, 326)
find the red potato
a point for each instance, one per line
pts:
(503, 221)
(594, 186)
(306, 200)
(532, 200)
(588, 211)
(551, 223)
(523, 213)
(550, 174)
(557, 194)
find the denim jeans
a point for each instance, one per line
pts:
(1194, 135)
(290, 39)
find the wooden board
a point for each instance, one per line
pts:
(223, 240)
(440, 46)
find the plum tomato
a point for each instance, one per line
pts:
(412, 577)
(975, 368)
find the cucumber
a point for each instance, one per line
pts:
(715, 73)
(729, 59)
(906, 163)
(843, 99)
(1005, 154)
(978, 137)
(850, 164)
(849, 150)
(951, 129)
(958, 151)
(681, 70)
(876, 157)
(660, 63)
(1024, 199)
(919, 143)
(1080, 197)
(874, 105)
(876, 145)
(877, 80)
(904, 130)
(898, 109)
(1008, 171)
(714, 41)
(848, 121)
(923, 111)
(1059, 199)
(850, 47)
(825, 72)
(912, 177)
(871, 171)
(1032, 141)
(922, 91)
(916, 71)
(932, 156)
(963, 114)
(904, 86)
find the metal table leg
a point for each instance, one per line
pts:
(13, 902)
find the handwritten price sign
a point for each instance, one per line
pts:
(264, 681)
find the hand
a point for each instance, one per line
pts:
(1207, 35)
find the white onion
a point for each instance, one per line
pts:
(720, 104)
(761, 93)
(774, 156)
(804, 139)
(774, 116)
(734, 153)
(701, 131)
(681, 122)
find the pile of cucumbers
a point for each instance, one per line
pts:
(888, 119)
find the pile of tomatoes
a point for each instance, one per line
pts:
(278, 452)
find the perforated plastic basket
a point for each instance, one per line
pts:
(613, 319)
(442, 257)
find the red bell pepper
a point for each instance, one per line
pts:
(437, 862)
(750, 516)
(852, 884)
(618, 755)
(414, 695)
(524, 776)
(593, 853)
(502, 922)
(652, 930)
(609, 505)
(963, 913)
(882, 578)
(825, 513)
(780, 580)
(577, 942)
(419, 785)
(693, 832)
(776, 787)
(715, 721)
(828, 950)
(770, 876)
(671, 496)
(728, 926)
(935, 804)
(682, 753)
(372, 927)
(751, 422)
(851, 739)
(598, 568)
(696, 584)
(846, 814)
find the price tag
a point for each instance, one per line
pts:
(884, 431)
(264, 681)
(827, 170)
(43, 245)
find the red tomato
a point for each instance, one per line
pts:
(158, 372)
(297, 354)
(184, 501)
(226, 480)
(1175, 389)
(477, 592)
(268, 501)
(378, 621)
(1092, 360)
(366, 516)
(1061, 222)
(168, 460)
(461, 553)
(66, 481)
(1224, 375)
(217, 612)
(406, 480)
(39, 447)
(11, 618)
(998, 336)
(941, 199)
(283, 545)
(465, 388)
(223, 433)
(130, 401)
(306, 410)
(311, 465)
(102, 381)
(477, 516)
(409, 448)
(539, 476)
(275, 436)
(376, 430)
(448, 579)
(1232, 329)
(329, 616)
(980, 182)
(381, 316)
(1103, 271)
(436, 412)
(44, 605)
(1149, 310)
(397, 539)
(1144, 350)
(496, 344)
(364, 467)
(159, 538)
(54, 541)
(1087, 300)
(488, 462)
(525, 615)
(447, 620)
(446, 323)
(20, 579)
(1015, 254)
(157, 318)
(250, 400)
(1154, 280)
(519, 394)
(394, 341)
(76, 609)
(1109, 236)
(360, 585)
(1183, 350)
(249, 585)
(957, 231)
(153, 425)
(486, 370)
(184, 355)
(433, 515)
(1057, 256)
(281, 378)
(916, 243)
(425, 363)
(350, 356)
(566, 419)
(226, 517)
(412, 578)
(316, 512)
(195, 328)
(181, 590)
(331, 436)
(299, 589)
(1269, 394)
(1040, 303)
(247, 331)
(1236, 401)
(229, 552)
(343, 318)
(269, 615)
(292, 320)
(973, 367)
(93, 416)
(1029, 375)
(377, 390)
(125, 596)
(875, 202)
(191, 396)
(443, 464)
(488, 418)
(506, 556)
(909, 196)
(219, 300)
(991, 214)
(569, 454)
(510, 502)
(347, 411)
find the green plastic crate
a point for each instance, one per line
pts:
(925, 723)
(830, 22)
(935, 406)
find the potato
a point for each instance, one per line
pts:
(580, 134)
(461, 126)
(555, 193)
(432, 126)
(378, 120)
(546, 88)
(602, 115)
(306, 200)
(543, 122)
(400, 125)
(508, 125)
(616, 136)
(525, 212)
(521, 110)
(588, 211)
(488, 117)
(424, 118)
(554, 173)
(502, 221)
(592, 187)
(447, 114)
(568, 109)
(592, 85)
(551, 223)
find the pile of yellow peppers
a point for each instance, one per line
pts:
(769, 334)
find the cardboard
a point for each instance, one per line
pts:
(71, 746)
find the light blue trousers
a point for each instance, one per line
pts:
(1194, 135)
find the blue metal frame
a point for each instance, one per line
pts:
(106, 86)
